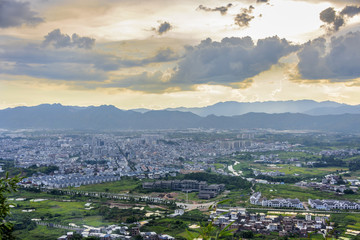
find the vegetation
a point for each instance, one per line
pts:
(40, 232)
(125, 184)
(231, 182)
(171, 226)
(27, 172)
(121, 215)
(302, 193)
(210, 231)
(7, 185)
(354, 165)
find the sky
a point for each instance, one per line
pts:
(158, 53)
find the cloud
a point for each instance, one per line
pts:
(153, 82)
(350, 11)
(262, 1)
(15, 14)
(230, 61)
(340, 61)
(163, 28)
(59, 40)
(334, 20)
(244, 17)
(163, 55)
(60, 71)
(71, 64)
(328, 15)
(337, 2)
(223, 9)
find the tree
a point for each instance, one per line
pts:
(210, 231)
(247, 234)
(7, 185)
(76, 236)
(138, 237)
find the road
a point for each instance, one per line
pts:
(192, 206)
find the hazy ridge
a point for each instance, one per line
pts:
(107, 117)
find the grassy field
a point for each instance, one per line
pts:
(177, 227)
(123, 185)
(22, 193)
(171, 226)
(53, 211)
(40, 232)
(302, 193)
(303, 172)
(346, 221)
(95, 221)
(219, 165)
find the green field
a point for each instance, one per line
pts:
(289, 170)
(302, 193)
(124, 185)
(40, 232)
(346, 221)
(219, 165)
(53, 211)
(177, 227)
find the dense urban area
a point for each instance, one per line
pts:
(183, 184)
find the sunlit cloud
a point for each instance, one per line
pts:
(189, 53)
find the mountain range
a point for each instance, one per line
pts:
(232, 108)
(107, 117)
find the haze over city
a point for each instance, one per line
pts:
(159, 54)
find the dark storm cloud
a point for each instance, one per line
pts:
(59, 40)
(334, 20)
(244, 17)
(15, 14)
(163, 28)
(231, 60)
(340, 62)
(223, 9)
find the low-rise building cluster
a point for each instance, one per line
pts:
(333, 204)
(271, 174)
(103, 233)
(135, 231)
(241, 220)
(115, 232)
(333, 183)
(205, 191)
(276, 203)
(69, 180)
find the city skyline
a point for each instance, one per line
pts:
(159, 54)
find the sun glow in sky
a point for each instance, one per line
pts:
(158, 53)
